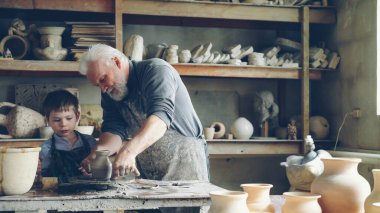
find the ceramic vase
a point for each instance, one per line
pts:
(301, 202)
(101, 166)
(50, 44)
(374, 197)
(18, 167)
(241, 128)
(228, 202)
(342, 188)
(220, 129)
(258, 197)
(20, 122)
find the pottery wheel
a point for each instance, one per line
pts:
(80, 184)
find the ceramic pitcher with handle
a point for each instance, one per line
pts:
(20, 122)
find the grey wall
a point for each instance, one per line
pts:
(354, 86)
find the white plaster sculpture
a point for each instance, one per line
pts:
(155, 50)
(264, 107)
(20, 122)
(242, 128)
(184, 56)
(302, 170)
(171, 55)
(134, 47)
(50, 44)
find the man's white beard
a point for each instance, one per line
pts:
(118, 91)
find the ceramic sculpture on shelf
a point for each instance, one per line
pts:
(319, 127)
(50, 44)
(264, 110)
(241, 128)
(219, 128)
(302, 170)
(20, 122)
(134, 47)
(342, 188)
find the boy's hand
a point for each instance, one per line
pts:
(85, 164)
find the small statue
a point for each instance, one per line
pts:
(292, 130)
(310, 154)
(8, 54)
(17, 27)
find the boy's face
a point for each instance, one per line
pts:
(63, 122)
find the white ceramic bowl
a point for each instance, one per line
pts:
(87, 130)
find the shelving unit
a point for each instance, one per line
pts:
(193, 13)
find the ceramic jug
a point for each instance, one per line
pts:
(258, 197)
(228, 202)
(301, 202)
(20, 122)
(374, 197)
(18, 167)
(101, 166)
(341, 184)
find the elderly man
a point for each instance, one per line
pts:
(147, 102)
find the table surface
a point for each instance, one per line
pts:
(124, 195)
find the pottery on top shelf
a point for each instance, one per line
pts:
(50, 44)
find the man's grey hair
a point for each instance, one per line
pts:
(97, 52)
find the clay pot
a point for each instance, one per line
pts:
(20, 122)
(228, 202)
(101, 166)
(220, 129)
(319, 127)
(301, 202)
(342, 188)
(258, 197)
(18, 167)
(18, 46)
(241, 128)
(375, 194)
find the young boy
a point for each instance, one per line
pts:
(62, 154)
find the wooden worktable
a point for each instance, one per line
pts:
(126, 195)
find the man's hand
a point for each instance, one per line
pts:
(124, 164)
(85, 164)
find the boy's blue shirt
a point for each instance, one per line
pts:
(62, 144)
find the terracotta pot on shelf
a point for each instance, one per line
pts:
(374, 197)
(258, 197)
(340, 184)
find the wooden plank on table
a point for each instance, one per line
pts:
(221, 10)
(104, 6)
(16, 4)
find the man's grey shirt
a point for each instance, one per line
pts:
(154, 88)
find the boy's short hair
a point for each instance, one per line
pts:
(59, 100)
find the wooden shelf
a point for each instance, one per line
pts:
(70, 68)
(231, 11)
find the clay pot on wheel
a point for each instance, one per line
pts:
(101, 167)
(20, 122)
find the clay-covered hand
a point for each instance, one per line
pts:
(85, 164)
(124, 164)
